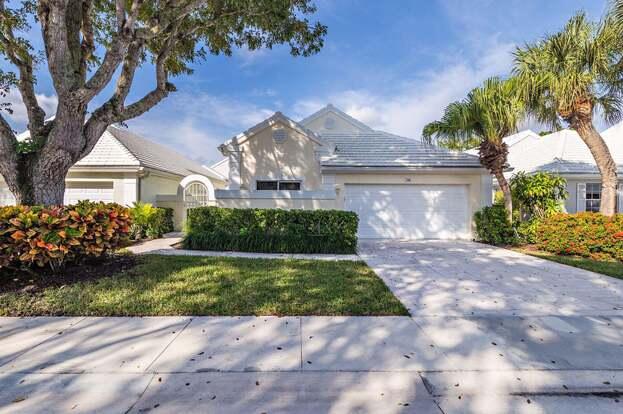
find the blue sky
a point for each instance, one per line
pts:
(393, 64)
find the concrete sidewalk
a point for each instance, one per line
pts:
(290, 364)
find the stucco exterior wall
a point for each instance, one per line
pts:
(283, 203)
(295, 158)
(156, 183)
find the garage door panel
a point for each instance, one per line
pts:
(74, 192)
(409, 211)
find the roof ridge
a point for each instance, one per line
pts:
(330, 107)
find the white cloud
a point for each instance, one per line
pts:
(419, 100)
(195, 124)
(248, 57)
(19, 118)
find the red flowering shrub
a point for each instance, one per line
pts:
(56, 235)
(582, 234)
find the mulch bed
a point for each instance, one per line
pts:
(90, 269)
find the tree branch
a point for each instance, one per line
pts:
(115, 53)
(8, 154)
(20, 57)
(114, 110)
(88, 43)
(52, 16)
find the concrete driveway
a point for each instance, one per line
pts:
(504, 319)
(491, 331)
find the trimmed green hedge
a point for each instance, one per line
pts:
(271, 230)
(160, 222)
(493, 227)
(583, 234)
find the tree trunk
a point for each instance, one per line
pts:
(493, 156)
(38, 181)
(606, 165)
(506, 190)
(39, 178)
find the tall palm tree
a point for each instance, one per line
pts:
(488, 113)
(568, 77)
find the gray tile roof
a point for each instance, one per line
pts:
(159, 157)
(385, 150)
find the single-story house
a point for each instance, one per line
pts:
(124, 168)
(399, 187)
(564, 153)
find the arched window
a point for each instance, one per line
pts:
(196, 195)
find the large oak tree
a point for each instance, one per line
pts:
(91, 44)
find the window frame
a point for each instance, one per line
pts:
(595, 202)
(278, 184)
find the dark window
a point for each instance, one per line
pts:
(267, 185)
(593, 196)
(290, 185)
(278, 185)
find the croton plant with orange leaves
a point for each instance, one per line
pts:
(53, 236)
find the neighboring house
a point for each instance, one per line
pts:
(564, 153)
(124, 168)
(399, 187)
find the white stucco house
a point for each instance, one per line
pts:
(564, 153)
(124, 167)
(399, 187)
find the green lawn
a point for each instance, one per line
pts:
(177, 285)
(607, 267)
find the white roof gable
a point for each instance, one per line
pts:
(109, 151)
(330, 119)
(564, 152)
(277, 117)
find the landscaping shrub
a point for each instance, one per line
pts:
(271, 230)
(583, 234)
(150, 221)
(493, 227)
(538, 195)
(160, 222)
(53, 236)
(526, 231)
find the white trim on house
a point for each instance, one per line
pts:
(232, 143)
(276, 194)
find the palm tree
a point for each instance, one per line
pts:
(570, 76)
(488, 113)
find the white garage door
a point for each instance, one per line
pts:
(410, 211)
(6, 197)
(95, 191)
(74, 192)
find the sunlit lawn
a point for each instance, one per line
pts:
(612, 268)
(176, 285)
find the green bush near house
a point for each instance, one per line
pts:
(538, 195)
(150, 221)
(160, 222)
(582, 234)
(271, 230)
(493, 227)
(526, 231)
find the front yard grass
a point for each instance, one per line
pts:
(183, 285)
(612, 268)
